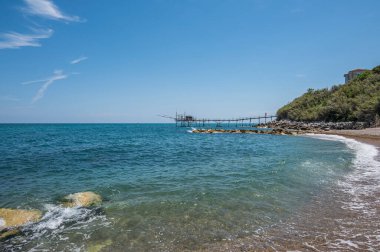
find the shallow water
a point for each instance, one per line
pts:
(166, 189)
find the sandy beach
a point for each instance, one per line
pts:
(369, 135)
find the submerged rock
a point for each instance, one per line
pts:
(13, 218)
(99, 246)
(82, 199)
(9, 233)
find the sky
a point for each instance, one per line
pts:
(125, 61)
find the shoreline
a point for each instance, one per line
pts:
(369, 136)
(328, 222)
(335, 210)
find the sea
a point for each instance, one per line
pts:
(167, 189)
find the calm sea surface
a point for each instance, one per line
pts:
(166, 189)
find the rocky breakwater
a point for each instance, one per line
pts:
(11, 220)
(278, 131)
(314, 126)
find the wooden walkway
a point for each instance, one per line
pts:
(183, 120)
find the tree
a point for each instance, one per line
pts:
(376, 69)
(358, 100)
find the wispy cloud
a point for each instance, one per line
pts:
(47, 9)
(57, 75)
(13, 40)
(76, 61)
(43, 8)
(9, 98)
(300, 75)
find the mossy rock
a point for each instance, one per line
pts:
(11, 218)
(82, 199)
(97, 247)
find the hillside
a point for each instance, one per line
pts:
(358, 100)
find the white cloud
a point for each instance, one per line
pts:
(42, 8)
(47, 9)
(76, 61)
(12, 40)
(57, 75)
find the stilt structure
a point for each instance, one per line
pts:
(183, 120)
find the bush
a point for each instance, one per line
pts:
(376, 69)
(363, 75)
(358, 100)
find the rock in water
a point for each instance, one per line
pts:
(82, 199)
(12, 218)
(99, 246)
(8, 234)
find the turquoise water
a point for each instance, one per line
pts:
(164, 189)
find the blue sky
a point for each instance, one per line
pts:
(127, 61)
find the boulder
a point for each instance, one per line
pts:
(13, 218)
(82, 199)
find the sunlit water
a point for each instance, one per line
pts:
(166, 189)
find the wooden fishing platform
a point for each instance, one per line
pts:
(183, 120)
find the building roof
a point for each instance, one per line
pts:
(357, 70)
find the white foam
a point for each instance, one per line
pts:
(367, 168)
(58, 222)
(56, 216)
(361, 186)
(313, 248)
(364, 153)
(348, 243)
(2, 223)
(191, 131)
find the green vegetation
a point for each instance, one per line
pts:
(358, 100)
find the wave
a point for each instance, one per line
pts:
(191, 131)
(361, 188)
(55, 227)
(367, 170)
(57, 217)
